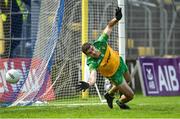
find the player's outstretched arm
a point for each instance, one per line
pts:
(93, 76)
(82, 85)
(114, 21)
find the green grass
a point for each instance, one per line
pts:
(142, 107)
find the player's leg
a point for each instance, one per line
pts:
(127, 95)
(125, 73)
(109, 96)
(127, 92)
(118, 80)
(127, 78)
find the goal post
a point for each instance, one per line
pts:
(122, 30)
(84, 36)
(2, 42)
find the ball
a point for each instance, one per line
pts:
(12, 76)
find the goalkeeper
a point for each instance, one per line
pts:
(101, 57)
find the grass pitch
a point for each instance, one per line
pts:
(141, 107)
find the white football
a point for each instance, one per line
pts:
(13, 76)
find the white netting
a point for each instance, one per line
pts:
(56, 63)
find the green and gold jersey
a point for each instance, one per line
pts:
(108, 62)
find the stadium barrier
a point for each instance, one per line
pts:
(159, 76)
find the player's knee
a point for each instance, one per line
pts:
(130, 96)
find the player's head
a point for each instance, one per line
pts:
(85, 47)
(89, 49)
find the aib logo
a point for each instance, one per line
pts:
(150, 78)
(149, 74)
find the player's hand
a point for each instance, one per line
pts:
(82, 86)
(118, 13)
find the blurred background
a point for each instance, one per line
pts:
(152, 27)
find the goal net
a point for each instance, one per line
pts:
(56, 64)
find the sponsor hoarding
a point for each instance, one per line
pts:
(160, 76)
(28, 82)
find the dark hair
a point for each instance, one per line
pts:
(85, 47)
